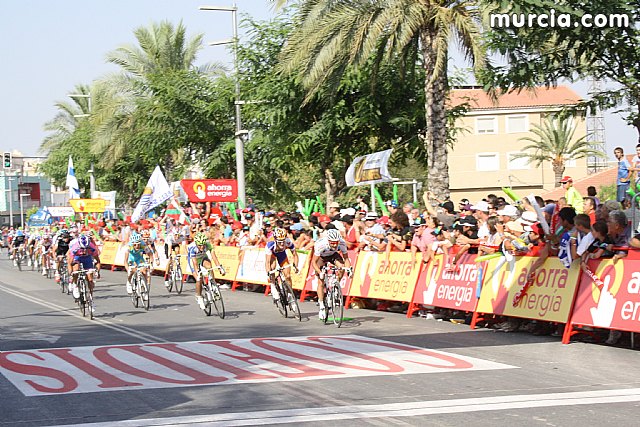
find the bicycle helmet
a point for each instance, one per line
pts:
(83, 241)
(200, 239)
(19, 233)
(279, 234)
(135, 238)
(333, 237)
(145, 234)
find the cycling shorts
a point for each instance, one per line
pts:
(85, 261)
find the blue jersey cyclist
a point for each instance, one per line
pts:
(82, 252)
(200, 255)
(276, 251)
(138, 250)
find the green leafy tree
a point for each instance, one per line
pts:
(554, 142)
(330, 37)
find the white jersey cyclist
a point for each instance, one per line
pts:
(324, 249)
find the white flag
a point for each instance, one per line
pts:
(369, 169)
(156, 192)
(72, 182)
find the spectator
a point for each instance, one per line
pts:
(619, 233)
(573, 197)
(496, 235)
(590, 208)
(481, 213)
(602, 245)
(591, 192)
(333, 209)
(422, 240)
(445, 215)
(624, 174)
(583, 238)
(392, 206)
(401, 233)
(361, 205)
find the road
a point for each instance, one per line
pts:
(174, 366)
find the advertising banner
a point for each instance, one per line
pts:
(229, 257)
(549, 298)
(393, 279)
(88, 205)
(298, 280)
(61, 211)
(440, 287)
(210, 190)
(311, 282)
(615, 304)
(252, 266)
(109, 252)
(369, 169)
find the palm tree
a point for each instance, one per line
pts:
(332, 35)
(65, 121)
(554, 142)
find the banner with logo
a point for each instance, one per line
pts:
(369, 169)
(210, 190)
(615, 302)
(61, 211)
(298, 280)
(455, 289)
(229, 257)
(252, 266)
(549, 298)
(311, 281)
(156, 192)
(392, 279)
(109, 252)
(88, 205)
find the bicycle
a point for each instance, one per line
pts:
(140, 286)
(85, 302)
(333, 300)
(175, 275)
(64, 275)
(211, 293)
(21, 256)
(286, 298)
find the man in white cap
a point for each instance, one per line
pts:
(482, 215)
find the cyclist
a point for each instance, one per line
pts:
(32, 240)
(330, 249)
(82, 251)
(138, 250)
(60, 248)
(151, 244)
(200, 254)
(276, 251)
(171, 248)
(17, 244)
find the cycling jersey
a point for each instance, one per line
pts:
(322, 248)
(136, 256)
(193, 252)
(279, 253)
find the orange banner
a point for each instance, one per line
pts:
(298, 280)
(393, 279)
(108, 252)
(88, 205)
(229, 257)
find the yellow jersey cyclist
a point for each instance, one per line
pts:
(330, 249)
(200, 255)
(276, 252)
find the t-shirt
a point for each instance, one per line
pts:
(623, 171)
(322, 248)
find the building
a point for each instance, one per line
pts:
(481, 161)
(22, 188)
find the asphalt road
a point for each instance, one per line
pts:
(174, 366)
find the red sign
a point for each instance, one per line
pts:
(210, 190)
(311, 284)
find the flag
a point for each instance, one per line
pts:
(72, 182)
(176, 213)
(156, 192)
(369, 169)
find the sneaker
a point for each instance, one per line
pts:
(322, 314)
(200, 302)
(145, 296)
(92, 307)
(275, 294)
(224, 286)
(614, 337)
(129, 288)
(167, 284)
(75, 291)
(44, 271)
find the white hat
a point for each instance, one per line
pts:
(481, 206)
(334, 205)
(348, 211)
(508, 210)
(528, 217)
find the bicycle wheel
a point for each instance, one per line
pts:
(81, 300)
(89, 302)
(281, 302)
(218, 302)
(143, 288)
(178, 279)
(291, 299)
(208, 298)
(337, 306)
(134, 293)
(170, 279)
(19, 261)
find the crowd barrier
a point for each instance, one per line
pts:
(608, 298)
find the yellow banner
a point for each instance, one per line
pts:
(108, 252)
(298, 280)
(88, 205)
(549, 298)
(393, 279)
(229, 257)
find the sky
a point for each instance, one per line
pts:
(50, 46)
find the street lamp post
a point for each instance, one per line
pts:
(240, 134)
(22, 209)
(10, 201)
(92, 179)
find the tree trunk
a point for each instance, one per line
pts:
(558, 170)
(435, 89)
(329, 185)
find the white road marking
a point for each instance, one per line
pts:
(66, 310)
(391, 410)
(29, 336)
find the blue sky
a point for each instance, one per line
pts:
(49, 46)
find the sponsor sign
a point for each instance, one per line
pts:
(145, 366)
(391, 279)
(109, 252)
(298, 280)
(369, 169)
(614, 305)
(311, 282)
(61, 211)
(88, 205)
(549, 298)
(210, 190)
(440, 287)
(252, 266)
(229, 257)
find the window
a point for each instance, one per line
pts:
(517, 124)
(486, 125)
(520, 163)
(487, 162)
